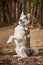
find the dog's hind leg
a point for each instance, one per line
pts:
(23, 52)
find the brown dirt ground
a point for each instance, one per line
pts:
(7, 50)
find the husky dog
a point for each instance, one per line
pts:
(21, 37)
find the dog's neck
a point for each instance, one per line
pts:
(21, 25)
(25, 26)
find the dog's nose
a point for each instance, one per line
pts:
(21, 21)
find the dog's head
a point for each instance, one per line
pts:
(24, 19)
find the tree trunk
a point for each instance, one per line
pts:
(41, 12)
(25, 7)
(2, 17)
(7, 13)
(20, 8)
(13, 7)
(17, 10)
(32, 12)
(14, 11)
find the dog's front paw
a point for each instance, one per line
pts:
(8, 42)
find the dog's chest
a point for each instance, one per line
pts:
(19, 31)
(20, 34)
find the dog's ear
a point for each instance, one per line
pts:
(28, 16)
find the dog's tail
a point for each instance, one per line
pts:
(35, 50)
